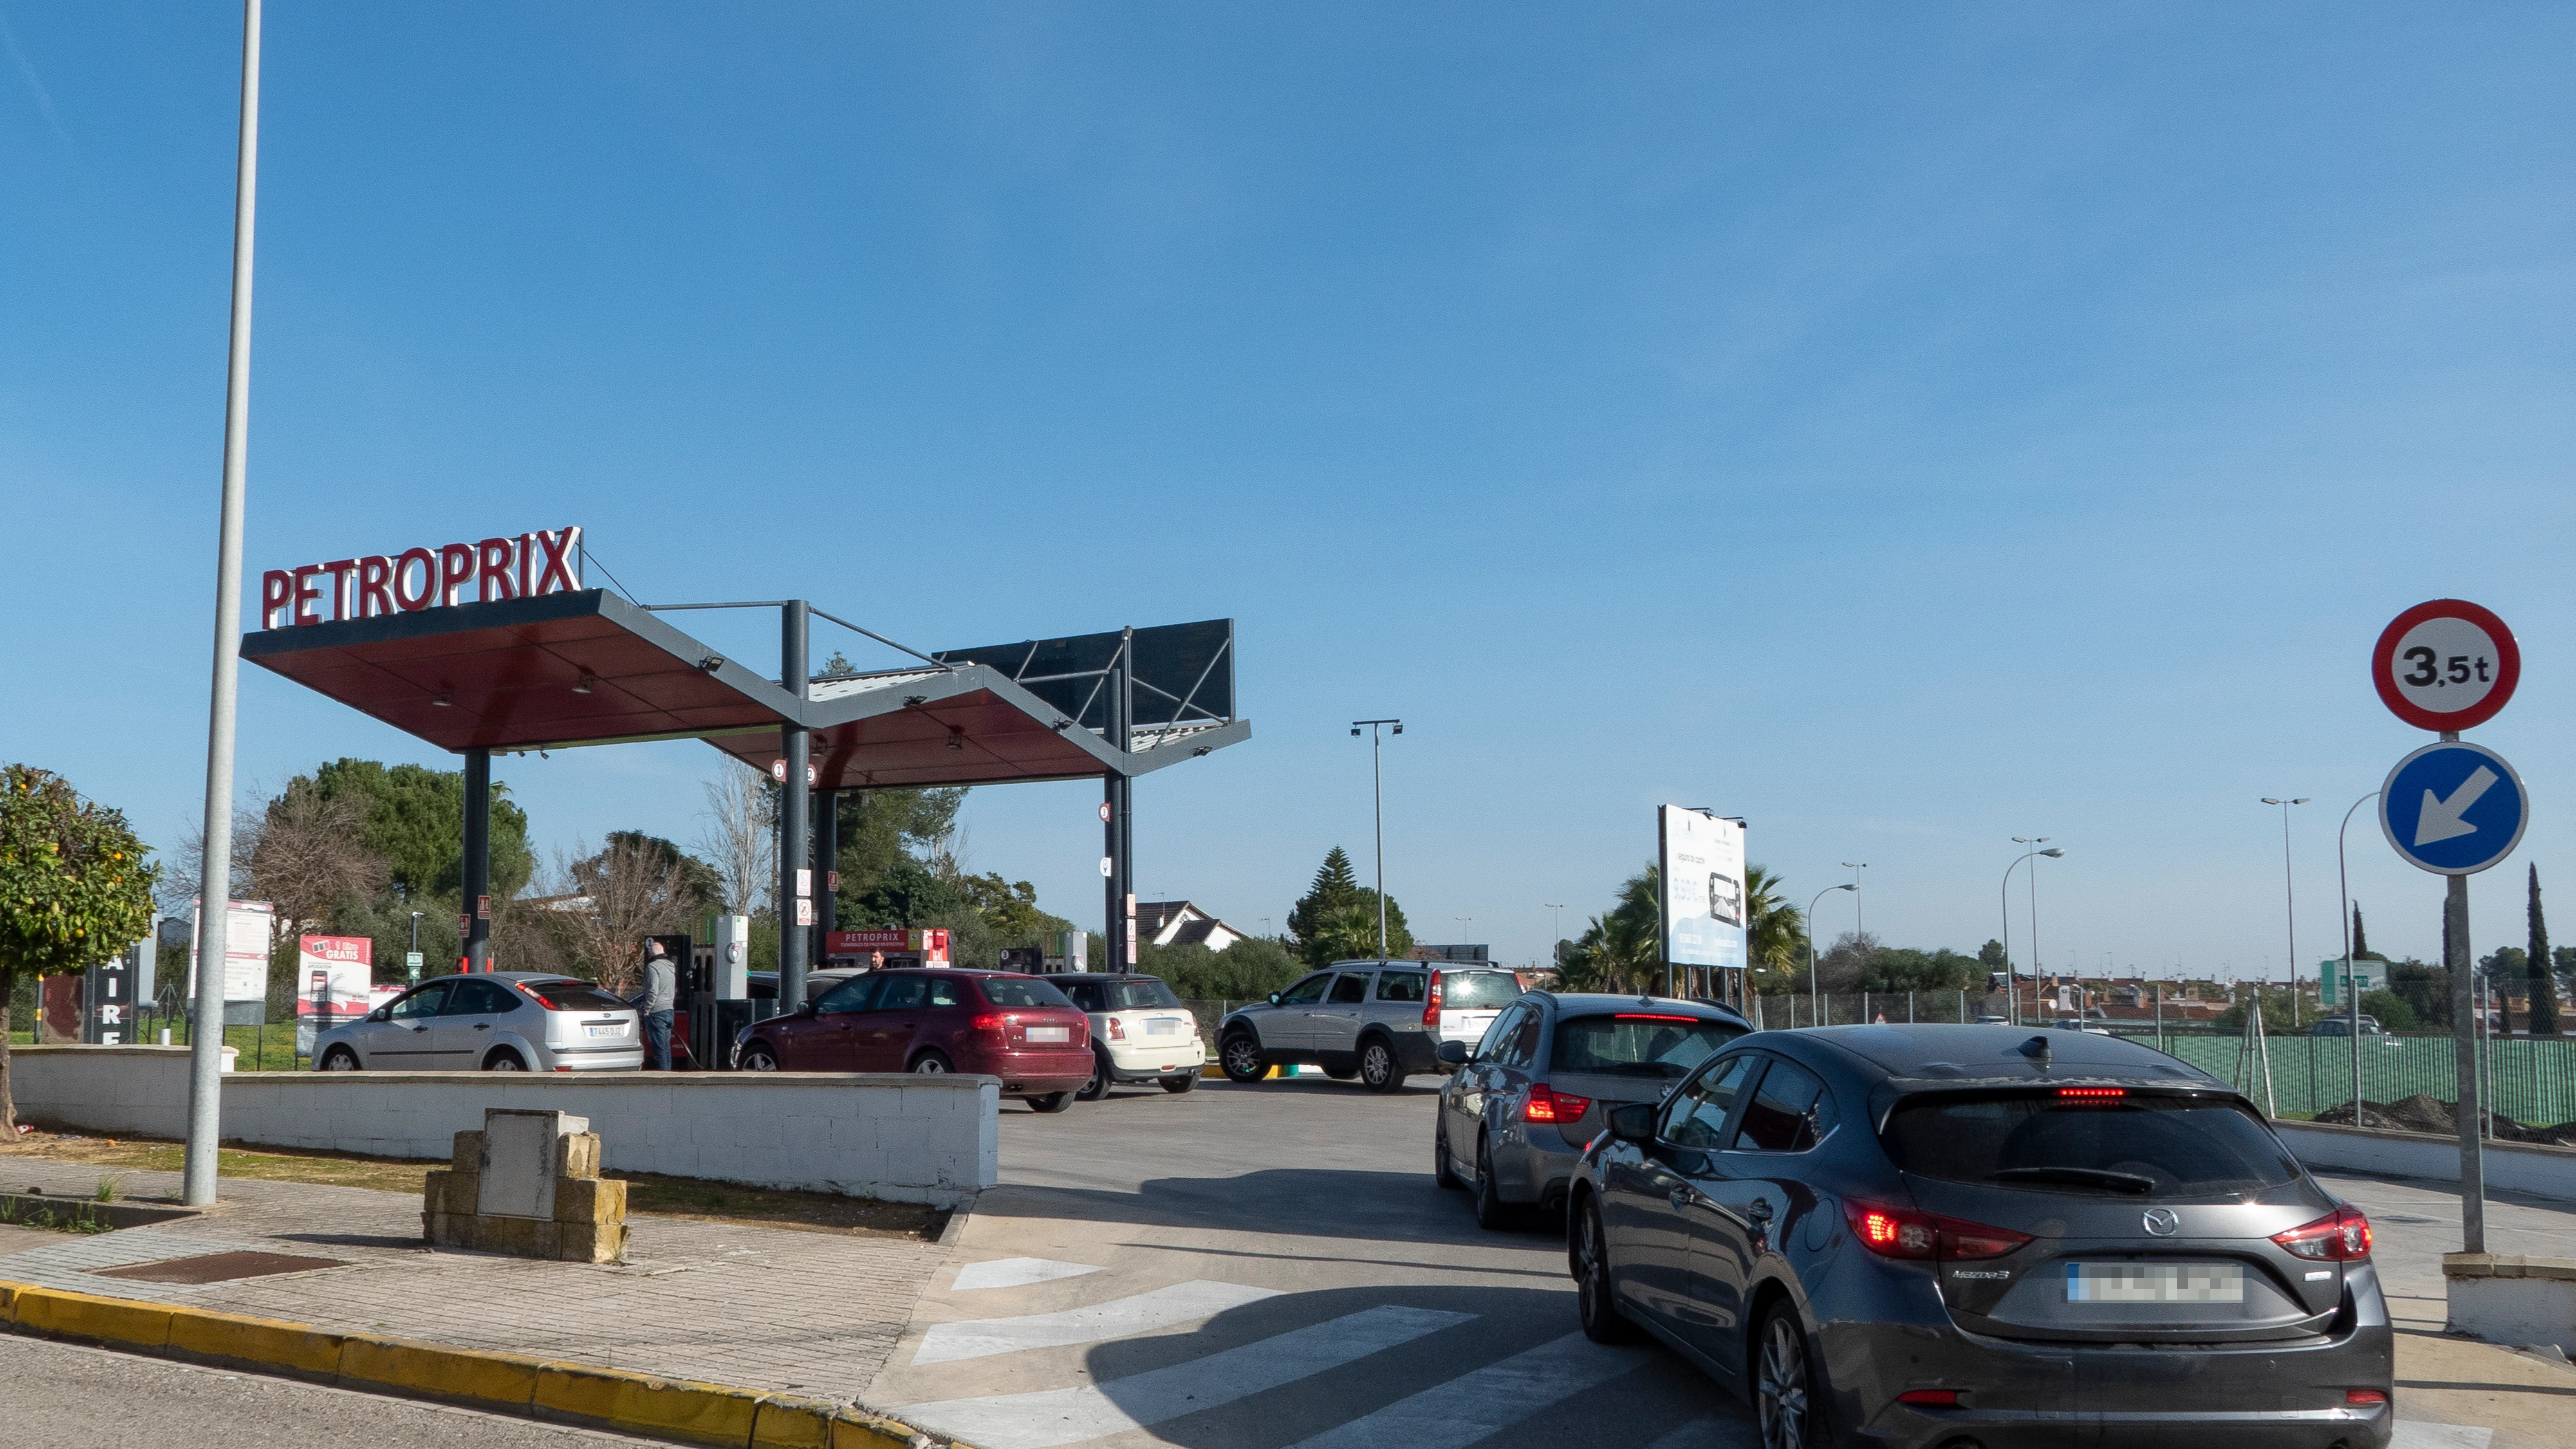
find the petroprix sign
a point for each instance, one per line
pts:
(373, 585)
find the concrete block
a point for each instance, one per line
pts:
(2514, 1300)
(467, 1153)
(590, 1200)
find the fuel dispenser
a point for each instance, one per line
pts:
(724, 1005)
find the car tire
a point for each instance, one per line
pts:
(1442, 1174)
(1051, 1102)
(338, 1059)
(1180, 1084)
(1596, 1302)
(1492, 1213)
(1785, 1403)
(1241, 1057)
(933, 1064)
(758, 1057)
(1379, 1070)
(1098, 1086)
(504, 1060)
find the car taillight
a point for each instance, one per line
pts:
(2341, 1236)
(989, 1021)
(1116, 1032)
(1894, 1232)
(1431, 1005)
(2091, 1093)
(1548, 1105)
(2365, 1396)
(1930, 1398)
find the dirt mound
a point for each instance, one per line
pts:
(2421, 1113)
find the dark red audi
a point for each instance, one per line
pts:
(933, 1020)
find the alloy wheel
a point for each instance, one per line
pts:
(504, 1062)
(931, 1066)
(758, 1059)
(1600, 1317)
(1780, 1394)
(1377, 1067)
(340, 1060)
(1243, 1059)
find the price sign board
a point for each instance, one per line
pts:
(2446, 665)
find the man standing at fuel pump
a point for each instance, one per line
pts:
(661, 997)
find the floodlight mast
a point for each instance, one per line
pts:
(1377, 790)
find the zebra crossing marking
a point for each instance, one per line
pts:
(1119, 1318)
(1484, 1401)
(1015, 1273)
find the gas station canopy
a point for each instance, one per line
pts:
(562, 670)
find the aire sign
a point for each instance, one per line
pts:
(420, 578)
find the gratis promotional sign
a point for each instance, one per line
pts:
(2446, 665)
(1703, 873)
(2454, 808)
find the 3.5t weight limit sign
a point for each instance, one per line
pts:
(2446, 665)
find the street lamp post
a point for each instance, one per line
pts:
(411, 971)
(2290, 901)
(1860, 924)
(1377, 790)
(2012, 979)
(2343, 882)
(1813, 997)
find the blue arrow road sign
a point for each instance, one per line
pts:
(2454, 808)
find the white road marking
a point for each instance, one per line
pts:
(1474, 1405)
(1118, 1318)
(1069, 1416)
(2416, 1434)
(1015, 1273)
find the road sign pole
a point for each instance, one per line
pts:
(2464, 1049)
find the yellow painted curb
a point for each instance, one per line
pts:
(674, 1408)
(433, 1371)
(792, 1421)
(230, 1337)
(100, 1320)
(857, 1429)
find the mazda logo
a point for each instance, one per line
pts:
(2162, 1222)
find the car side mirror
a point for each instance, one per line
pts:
(1274, 998)
(1634, 1122)
(1454, 1053)
(804, 1008)
(381, 1013)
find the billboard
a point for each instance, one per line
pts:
(1702, 860)
(930, 945)
(249, 928)
(334, 981)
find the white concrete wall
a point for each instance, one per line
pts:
(2516, 1312)
(895, 1137)
(2549, 1171)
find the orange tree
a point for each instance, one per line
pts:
(74, 889)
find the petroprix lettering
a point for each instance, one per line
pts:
(421, 578)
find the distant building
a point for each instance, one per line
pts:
(1178, 923)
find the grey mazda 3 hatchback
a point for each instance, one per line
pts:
(1954, 1236)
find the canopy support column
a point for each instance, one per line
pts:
(477, 904)
(795, 833)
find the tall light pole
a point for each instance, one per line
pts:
(2012, 981)
(2343, 884)
(2290, 902)
(1377, 789)
(1813, 997)
(1860, 926)
(411, 963)
(214, 886)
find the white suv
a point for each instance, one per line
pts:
(1140, 1032)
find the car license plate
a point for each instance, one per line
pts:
(2155, 1283)
(1163, 1026)
(600, 1031)
(1050, 1033)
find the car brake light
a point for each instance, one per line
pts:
(1548, 1105)
(1936, 1398)
(989, 1021)
(2365, 1396)
(2341, 1236)
(1431, 1004)
(2092, 1092)
(1116, 1032)
(1904, 1233)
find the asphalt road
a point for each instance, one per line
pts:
(62, 1395)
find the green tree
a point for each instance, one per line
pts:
(2540, 976)
(1327, 922)
(1622, 950)
(2360, 938)
(1334, 887)
(1991, 957)
(74, 890)
(2426, 990)
(1775, 932)
(1248, 970)
(2390, 1010)
(415, 824)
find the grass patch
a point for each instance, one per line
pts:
(646, 1192)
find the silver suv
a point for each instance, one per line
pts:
(1367, 1019)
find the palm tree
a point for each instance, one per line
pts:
(1623, 948)
(1775, 932)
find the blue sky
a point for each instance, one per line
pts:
(1904, 429)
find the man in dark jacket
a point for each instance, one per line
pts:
(661, 998)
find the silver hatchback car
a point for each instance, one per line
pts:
(500, 1021)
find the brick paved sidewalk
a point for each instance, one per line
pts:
(733, 1303)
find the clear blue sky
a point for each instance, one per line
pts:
(1907, 429)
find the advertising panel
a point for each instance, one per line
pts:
(250, 929)
(930, 946)
(1703, 872)
(334, 984)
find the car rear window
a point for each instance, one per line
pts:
(571, 996)
(2128, 1145)
(1478, 990)
(1637, 1044)
(1138, 995)
(1008, 991)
